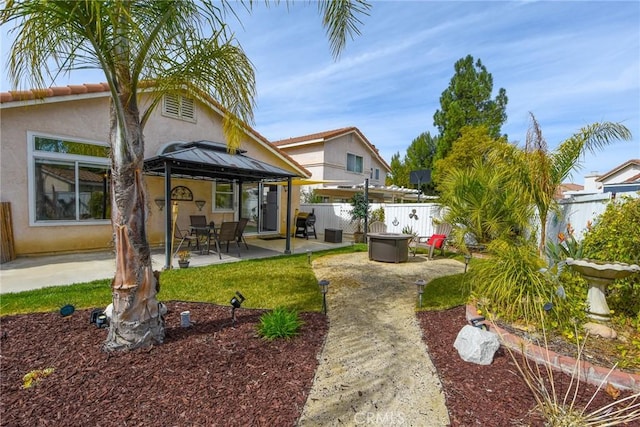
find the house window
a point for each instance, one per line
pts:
(68, 180)
(179, 107)
(354, 163)
(223, 194)
(377, 174)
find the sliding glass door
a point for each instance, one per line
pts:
(260, 205)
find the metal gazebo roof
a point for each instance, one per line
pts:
(211, 160)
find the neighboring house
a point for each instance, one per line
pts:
(340, 161)
(624, 178)
(55, 166)
(567, 189)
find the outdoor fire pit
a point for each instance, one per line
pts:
(389, 247)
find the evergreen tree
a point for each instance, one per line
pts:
(467, 102)
(399, 172)
(420, 156)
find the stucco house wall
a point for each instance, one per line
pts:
(85, 117)
(325, 155)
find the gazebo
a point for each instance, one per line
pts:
(211, 161)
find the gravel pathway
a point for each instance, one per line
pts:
(374, 368)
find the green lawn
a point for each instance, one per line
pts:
(283, 281)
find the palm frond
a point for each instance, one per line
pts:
(341, 20)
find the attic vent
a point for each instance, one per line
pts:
(179, 107)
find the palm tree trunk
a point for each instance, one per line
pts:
(136, 320)
(543, 236)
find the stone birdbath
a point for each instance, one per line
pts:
(599, 275)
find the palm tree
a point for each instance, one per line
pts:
(543, 171)
(479, 202)
(137, 43)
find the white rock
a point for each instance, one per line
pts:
(476, 345)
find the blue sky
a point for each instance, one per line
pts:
(569, 63)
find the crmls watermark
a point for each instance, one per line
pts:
(379, 418)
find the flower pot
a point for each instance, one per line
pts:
(183, 264)
(358, 237)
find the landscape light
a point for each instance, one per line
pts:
(324, 288)
(420, 285)
(236, 302)
(467, 258)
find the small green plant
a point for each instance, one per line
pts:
(566, 247)
(32, 377)
(279, 323)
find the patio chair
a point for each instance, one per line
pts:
(377, 227)
(182, 237)
(228, 233)
(437, 240)
(198, 220)
(242, 223)
(201, 230)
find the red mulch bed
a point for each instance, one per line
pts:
(215, 374)
(493, 395)
(207, 375)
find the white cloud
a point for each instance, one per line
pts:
(570, 63)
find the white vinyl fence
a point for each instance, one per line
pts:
(577, 211)
(419, 216)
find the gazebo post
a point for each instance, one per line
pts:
(287, 249)
(168, 235)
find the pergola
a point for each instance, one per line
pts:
(212, 161)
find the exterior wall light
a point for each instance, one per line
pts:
(159, 203)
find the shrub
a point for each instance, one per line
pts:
(615, 236)
(514, 285)
(311, 196)
(377, 215)
(511, 282)
(279, 323)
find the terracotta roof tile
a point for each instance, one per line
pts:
(25, 95)
(319, 135)
(569, 186)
